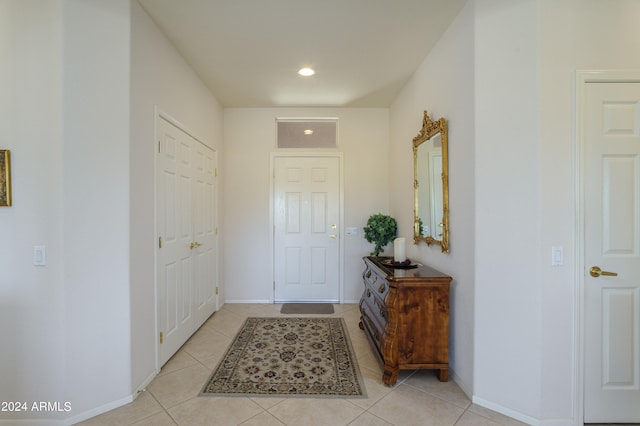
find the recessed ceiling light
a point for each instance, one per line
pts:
(308, 132)
(306, 72)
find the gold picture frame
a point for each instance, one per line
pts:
(5, 178)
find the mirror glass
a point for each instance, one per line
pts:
(431, 184)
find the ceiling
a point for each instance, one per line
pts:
(248, 52)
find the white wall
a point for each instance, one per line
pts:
(67, 323)
(508, 302)
(95, 197)
(82, 143)
(159, 79)
(443, 85)
(31, 298)
(574, 35)
(527, 53)
(249, 135)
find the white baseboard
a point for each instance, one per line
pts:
(461, 384)
(31, 422)
(558, 422)
(99, 410)
(522, 417)
(248, 301)
(506, 411)
(145, 383)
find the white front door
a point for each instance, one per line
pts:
(307, 259)
(612, 244)
(186, 253)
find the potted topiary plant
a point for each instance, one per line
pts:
(380, 230)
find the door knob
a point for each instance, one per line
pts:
(595, 272)
(195, 244)
(334, 236)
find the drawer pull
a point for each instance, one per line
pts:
(382, 309)
(368, 273)
(382, 288)
(368, 293)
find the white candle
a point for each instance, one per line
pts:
(398, 250)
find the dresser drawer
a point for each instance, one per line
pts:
(376, 282)
(371, 323)
(376, 308)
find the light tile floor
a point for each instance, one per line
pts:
(172, 397)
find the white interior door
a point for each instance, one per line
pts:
(205, 232)
(307, 259)
(186, 254)
(612, 243)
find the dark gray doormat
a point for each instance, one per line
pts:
(307, 308)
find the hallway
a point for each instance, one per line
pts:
(172, 398)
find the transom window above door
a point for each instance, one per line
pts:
(307, 132)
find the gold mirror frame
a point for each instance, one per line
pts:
(431, 129)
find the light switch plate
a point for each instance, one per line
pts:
(557, 256)
(351, 231)
(39, 255)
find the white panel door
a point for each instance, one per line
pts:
(186, 254)
(612, 243)
(205, 249)
(175, 228)
(307, 229)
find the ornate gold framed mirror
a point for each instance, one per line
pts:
(431, 183)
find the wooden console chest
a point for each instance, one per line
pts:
(405, 314)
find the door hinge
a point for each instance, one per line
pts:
(216, 290)
(160, 242)
(159, 147)
(216, 172)
(161, 337)
(216, 231)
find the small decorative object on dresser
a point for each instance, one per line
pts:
(405, 315)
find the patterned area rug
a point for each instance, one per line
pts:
(288, 357)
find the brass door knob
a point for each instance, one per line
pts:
(194, 244)
(595, 272)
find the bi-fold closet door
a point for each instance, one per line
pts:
(186, 227)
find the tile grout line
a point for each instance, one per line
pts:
(161, 406)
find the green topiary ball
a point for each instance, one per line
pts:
(380, 230)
